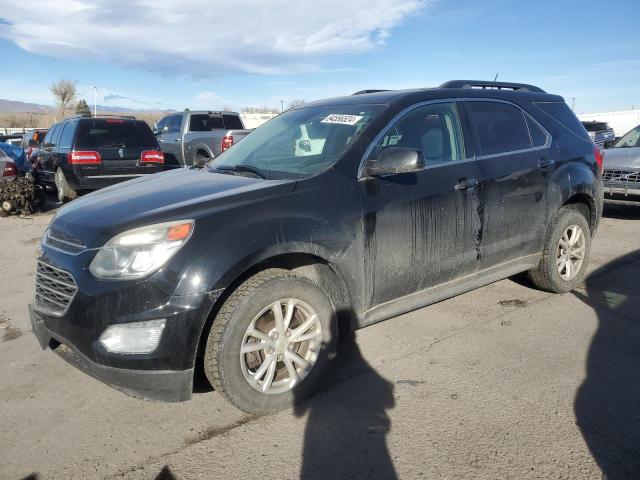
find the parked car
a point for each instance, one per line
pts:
(7, 166)
(31, 141)
(88, 153)
(601, 133)
(192, 138)
(622, 169)
(15, 141)
(254, 263)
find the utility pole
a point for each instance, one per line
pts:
(95, 101)
(282, 105)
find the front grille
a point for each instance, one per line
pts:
(63, 243)
(55, 289)
(623, 176)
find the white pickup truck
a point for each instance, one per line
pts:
(192, 138)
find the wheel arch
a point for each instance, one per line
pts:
(584, 204)
(308, 264)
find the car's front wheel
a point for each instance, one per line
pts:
(271, 342)
(566, 253)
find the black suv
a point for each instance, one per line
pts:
(332, 216)
(88, 153)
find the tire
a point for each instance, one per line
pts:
(232, 374)
(550, 275)
(199, 159)
(65, 192)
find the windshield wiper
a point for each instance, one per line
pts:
(243, 168)
(121, 145)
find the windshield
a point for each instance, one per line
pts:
(631, 139)
(299, 143)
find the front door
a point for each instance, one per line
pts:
(420, 229)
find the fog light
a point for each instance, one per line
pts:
(138, 337)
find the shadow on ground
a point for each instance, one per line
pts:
(621, 212)
(607, 404)
(345, 434)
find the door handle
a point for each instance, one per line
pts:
(545, 163)
(466, 184)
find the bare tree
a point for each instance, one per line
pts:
(65, 92)
(260, 110)
(295, 103)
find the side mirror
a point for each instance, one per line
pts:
(395, 160)
(154, 129)
(48, 146)
(33, 143)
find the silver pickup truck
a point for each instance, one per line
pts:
(192, 138)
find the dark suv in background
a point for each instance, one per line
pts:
(601, 133)
(88, 153)
(332, 216)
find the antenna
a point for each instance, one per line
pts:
(496, 77)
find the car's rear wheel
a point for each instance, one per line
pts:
(65, 192)
(566, 253)
(271, 342)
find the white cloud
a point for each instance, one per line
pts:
(203, 37)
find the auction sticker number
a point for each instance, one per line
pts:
(343, 119)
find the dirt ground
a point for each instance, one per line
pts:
(502, 382)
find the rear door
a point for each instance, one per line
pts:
(515, 159)
(120, 143)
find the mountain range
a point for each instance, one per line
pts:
(13, 106)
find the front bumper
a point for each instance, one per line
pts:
(617, 191)
(159, 385)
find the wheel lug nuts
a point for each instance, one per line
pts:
(287, 334)
(270, 350)
(290, 347)
(274, 335)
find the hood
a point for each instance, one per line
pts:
(178, 194)
(622, 158)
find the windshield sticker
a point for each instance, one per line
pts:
(343, 119)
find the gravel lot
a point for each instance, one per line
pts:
(502, 382)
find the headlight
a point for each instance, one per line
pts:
(138, 252)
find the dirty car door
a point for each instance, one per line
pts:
(514, 156)
(420, 229)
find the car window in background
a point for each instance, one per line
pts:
(66, 139)
(562, 114)
(232, 122)
(55, 138)
(100, 132)
(630, 139)
(174, 124)
(201, 122)
(300, 142)
(501, 127)
(50, 133)
(434, 130)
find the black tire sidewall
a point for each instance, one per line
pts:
(567, 218)
(235, 385)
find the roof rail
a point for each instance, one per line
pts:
(82, 115)
(482, 84)
(362, 92)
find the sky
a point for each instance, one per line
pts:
(209, 54)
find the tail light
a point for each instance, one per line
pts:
(152, 156)
(599, 154)
(10, 170)
(227, 142)
(84, 158)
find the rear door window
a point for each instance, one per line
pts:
(501, 127)
(433, 129)
(202, 122)
(232, 122)
(49, 137)
(538, 136)
(100, 132)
